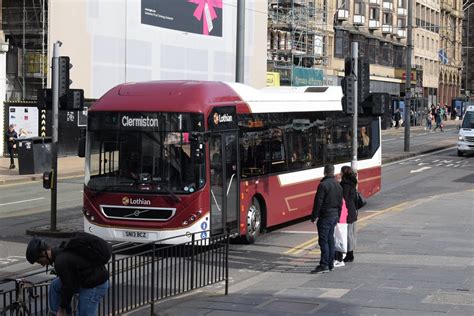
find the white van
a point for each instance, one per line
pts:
(466, 133)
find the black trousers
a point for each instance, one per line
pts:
(10, 152)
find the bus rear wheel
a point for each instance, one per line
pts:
(254, 222)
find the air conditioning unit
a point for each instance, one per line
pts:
(359, 20)
(374, 24)
(386, 28)
(342, 14)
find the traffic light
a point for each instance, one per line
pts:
(363, 76)
(64, 78)
(377, 104)
(348, 98)
(363, 79)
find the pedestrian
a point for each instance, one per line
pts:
(349, 192)
(80, 267)
(326, 210)
(429, 118)
(11, 137)
(438, 120)
(397, 117)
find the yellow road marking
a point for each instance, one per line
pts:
(301, 247)
(399, 207)
(307, 244)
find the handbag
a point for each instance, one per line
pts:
(361, 201)
(340, 237)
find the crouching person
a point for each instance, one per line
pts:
(80, 267)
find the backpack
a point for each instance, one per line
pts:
(92, 248)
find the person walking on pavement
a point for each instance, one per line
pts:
(326, 211)
(438, 120)
(349, 192)
(11, 137)
(79, 265)
(397, 117)
(429, 119)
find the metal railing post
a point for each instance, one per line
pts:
(152, 301)
(192, 260)
(227, 263)
(114, 280)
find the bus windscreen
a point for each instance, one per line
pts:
(144, 153)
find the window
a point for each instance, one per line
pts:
(374, 13)
(342, 44)
(283, 142)
(359, 8)
(401, 23)
(422, 42)
(402, 3)
(373, 50)
(343, 4)
(387, 19)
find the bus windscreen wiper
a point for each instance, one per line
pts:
(163, 187)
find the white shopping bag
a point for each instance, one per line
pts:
(340, 237)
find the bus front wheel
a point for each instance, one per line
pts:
(254, 221)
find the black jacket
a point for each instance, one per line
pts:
(328, 199)
(75, 272)
(350, 196)
(9, 134)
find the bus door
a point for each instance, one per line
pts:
(224, 181)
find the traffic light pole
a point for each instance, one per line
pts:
(54, 144)
(408, 78)
(240, 46)
(355, 55)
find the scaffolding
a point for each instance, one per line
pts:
(24, 23)
(297, 35)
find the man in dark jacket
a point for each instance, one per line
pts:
(326, 210)
(75, 276)
(11, 137)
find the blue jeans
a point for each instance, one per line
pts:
(326, 240)
(89, 299)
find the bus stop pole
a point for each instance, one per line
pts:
(355, 56)
(54, 144)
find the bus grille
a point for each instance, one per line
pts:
(137, 213)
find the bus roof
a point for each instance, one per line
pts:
(290, 99)
(201, 96)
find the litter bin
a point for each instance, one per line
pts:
(34, 155)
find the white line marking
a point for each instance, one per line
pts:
(419, 170)
(18, 202)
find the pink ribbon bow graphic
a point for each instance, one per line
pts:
(200, 14)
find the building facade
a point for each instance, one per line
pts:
(426, 44)
(468, 50)
(450, 32)
(380, 28)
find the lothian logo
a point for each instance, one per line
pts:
(125, 200)
(140, 201)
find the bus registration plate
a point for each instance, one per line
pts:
(135, 234)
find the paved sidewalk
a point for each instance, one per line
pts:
(416, 260)
(74, 166)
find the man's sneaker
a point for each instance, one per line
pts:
(338, 264)
(320, 269)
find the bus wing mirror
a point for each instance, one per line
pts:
(81, 146)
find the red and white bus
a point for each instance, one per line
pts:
(170, 158)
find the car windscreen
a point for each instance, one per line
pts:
(468, 121)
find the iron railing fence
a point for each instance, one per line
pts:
(143, 274)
